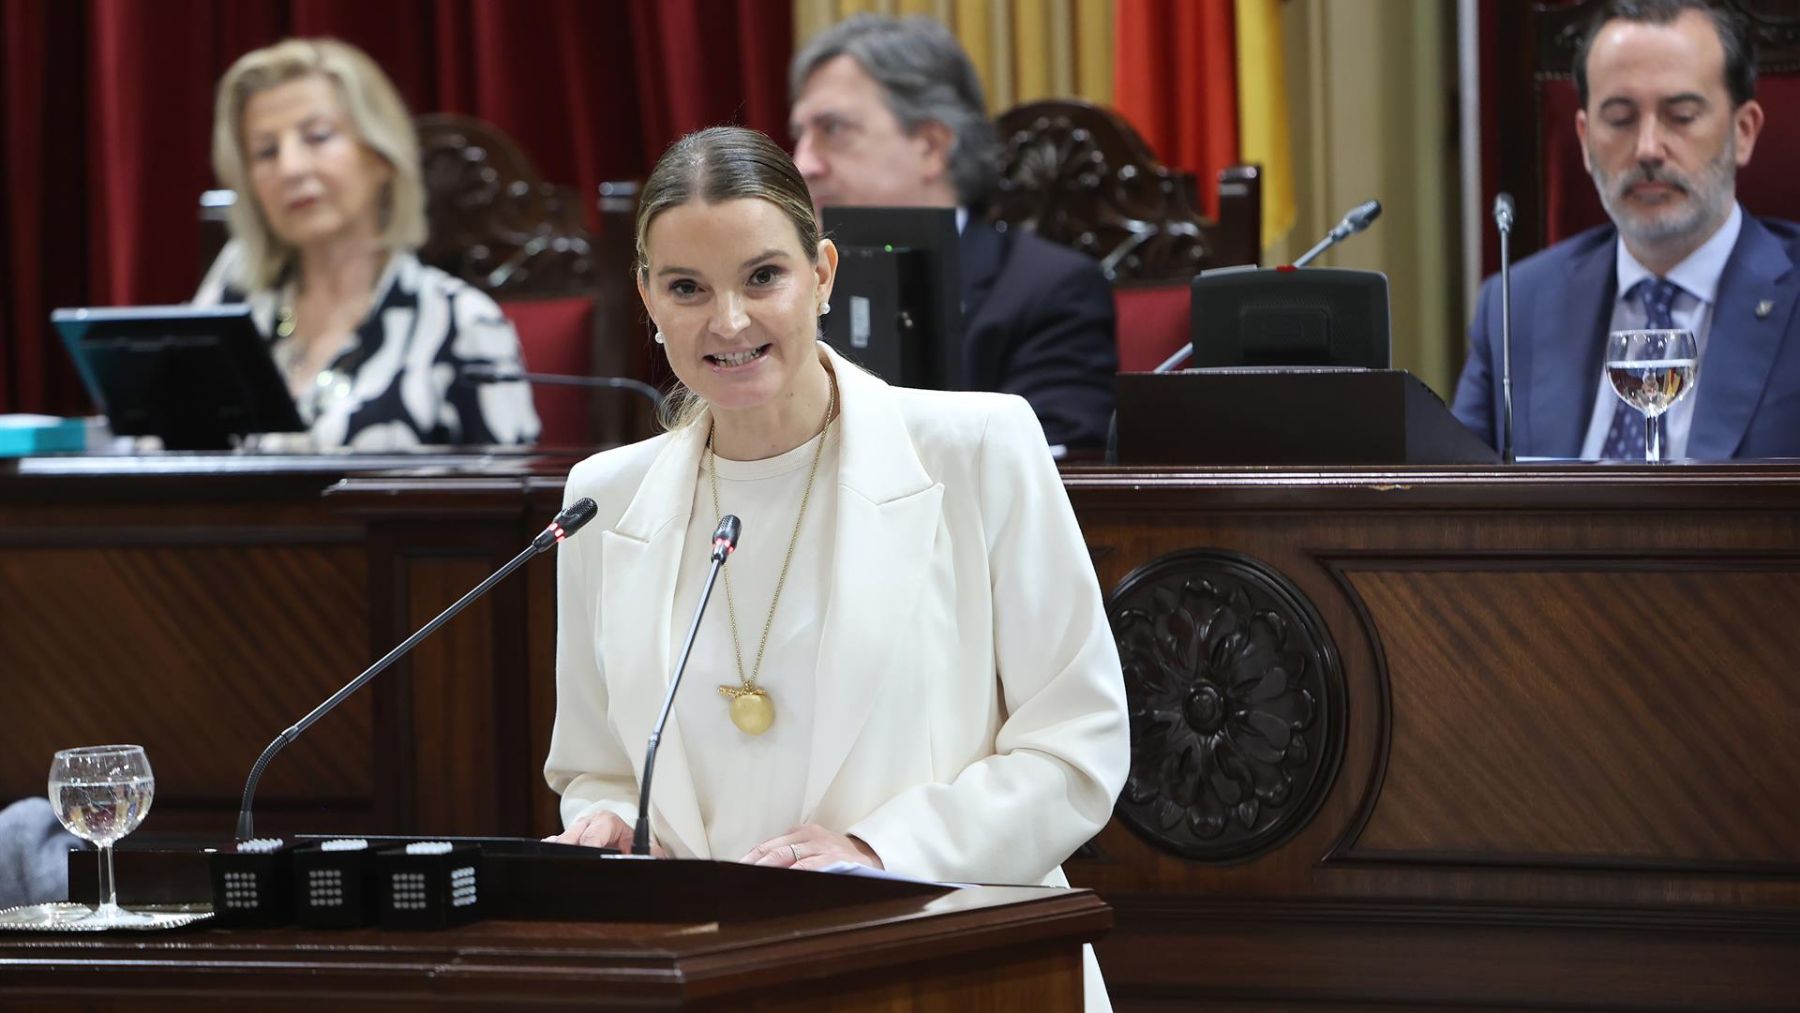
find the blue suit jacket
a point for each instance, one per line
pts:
(1749, 384)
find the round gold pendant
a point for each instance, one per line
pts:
(752, 711)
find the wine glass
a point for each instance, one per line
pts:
(1650, 370)
(102, 793)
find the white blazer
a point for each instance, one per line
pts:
(970, 720)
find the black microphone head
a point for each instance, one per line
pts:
(575, 515)
(1362, 215)
(725, 536)
(1503, 211)
(566, 523)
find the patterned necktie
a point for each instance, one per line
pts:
(1625, 439)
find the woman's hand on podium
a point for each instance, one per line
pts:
(812, 847)
(603, 830)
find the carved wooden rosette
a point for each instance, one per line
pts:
(1236, 697)
(494, 221)
(1079, 175)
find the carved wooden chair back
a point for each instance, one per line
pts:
(1078, 174)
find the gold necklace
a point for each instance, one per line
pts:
(284, 318)
(752, 709)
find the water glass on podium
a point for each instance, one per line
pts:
(1651, 370)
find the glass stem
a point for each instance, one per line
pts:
(109, 893)
(1653, 438)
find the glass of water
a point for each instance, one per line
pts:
(102, 793)
(1650, 370)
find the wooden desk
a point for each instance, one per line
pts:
(1511, 790)
(1549, 742)
(198, 604)
(1506, 787)
(992, 948)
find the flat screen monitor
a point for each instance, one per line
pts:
(896, 307)
(196, 376)
(1308, 316)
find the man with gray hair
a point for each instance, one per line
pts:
(890, 113)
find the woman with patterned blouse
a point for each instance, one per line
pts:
(373, 344)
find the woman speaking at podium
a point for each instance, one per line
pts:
(911, 667)
(320, 149)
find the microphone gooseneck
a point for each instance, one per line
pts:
(724, 543)
(566, 524)
(1503, 220)
(487, 372)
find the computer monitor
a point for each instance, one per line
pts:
(896, 307)
(1308, 316)
(194, 376)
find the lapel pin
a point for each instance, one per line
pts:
(1764, 308)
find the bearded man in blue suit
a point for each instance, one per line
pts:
(1668, 116)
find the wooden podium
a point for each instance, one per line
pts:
(715, 936)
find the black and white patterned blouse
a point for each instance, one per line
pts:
(399, 383)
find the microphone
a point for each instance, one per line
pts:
(487, 372)
(566, 523)
(1359, 218)
(724, 543)
(1503, 220)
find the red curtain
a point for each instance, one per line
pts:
(1175, 79)
(106, 120)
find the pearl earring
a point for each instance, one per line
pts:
(824, 308)
(659, 337)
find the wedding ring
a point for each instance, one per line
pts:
(794, 852)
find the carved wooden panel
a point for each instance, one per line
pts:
(1079, 175)
(1470, 610)
(1237, 705)
(201, 653)
(450, 683)
(1610, 709)
(539, 682)
(494, 221)
(469, 712)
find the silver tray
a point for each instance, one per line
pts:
(65, 916)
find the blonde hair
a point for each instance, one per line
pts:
(715, 165)
(376, 112)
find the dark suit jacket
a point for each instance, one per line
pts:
(1038, 322)
(1749, 381)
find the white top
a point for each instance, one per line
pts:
(749, 783)
(968, 725)
(1698, 277)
